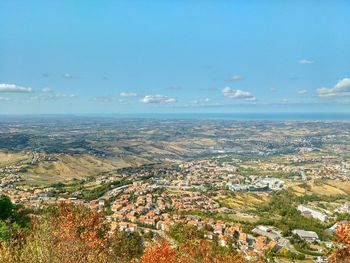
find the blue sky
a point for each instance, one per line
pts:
(174, 56)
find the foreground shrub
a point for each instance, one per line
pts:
(75, 234)
(342, 255)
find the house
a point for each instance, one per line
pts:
(262, 243)
(309, 236)
(266, 232)
(127, 227)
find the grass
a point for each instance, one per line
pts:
(68, 167)
(242, 200)
(12, 158)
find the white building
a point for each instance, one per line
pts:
(273, 183)
(313, 212)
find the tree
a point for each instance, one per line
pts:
(6, 207)
(67, 234)
(126, 246)
(4, 231)
(181, 232)
(159, 253)
(342, 255)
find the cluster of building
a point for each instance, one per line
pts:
(9, 180)
(141, 203)
(257, 184)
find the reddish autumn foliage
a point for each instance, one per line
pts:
(160, 253)
(68, 234)
(65, 234)
(190, 252)
(79, 234)
(206, 252)
(342, 255)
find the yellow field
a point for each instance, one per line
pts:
(330, 187)
(344, 186)
(10, 158)
(68, 167)
(243, 200)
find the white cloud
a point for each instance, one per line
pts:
(46, 89)
(237, 77)
(238, 94)
(158, 99)
(302, 92)
(202, 101)
(305, 61)
(342, 88)
(127, 94)
(58, 96)
(13, 88)
(68, 76)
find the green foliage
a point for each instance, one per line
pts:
(58, 185)
(281, 212)
(12, 213)
(181, 233)
(284, 253)
(108, 210)
(126, 246)
(91, 194)
(4, 231)
(298, 242)
(95, 193)
(342, 216)
(6, 207)
(13, 218)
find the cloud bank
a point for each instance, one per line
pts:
(127, 94)
(13, 88)
(158, 99)
(238, 94)
(341, 89)
(305, 61)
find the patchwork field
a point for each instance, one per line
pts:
(11, 158)
(67, 167)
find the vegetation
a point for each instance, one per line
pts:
(342, 255)
(13, 218)
(303, 246)
(281, 212)
(192, 251)
(67, 233)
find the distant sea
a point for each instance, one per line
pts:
(195, 116)
(239, 116)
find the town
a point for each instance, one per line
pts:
(288, 205)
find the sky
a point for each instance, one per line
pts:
(82, 57)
